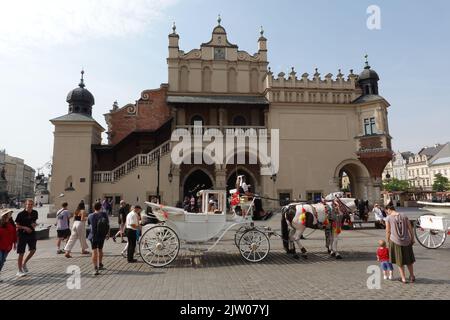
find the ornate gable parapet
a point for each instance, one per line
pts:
(217, 67)
(312, 90)
(339, 83)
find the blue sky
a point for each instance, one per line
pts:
(122, 46)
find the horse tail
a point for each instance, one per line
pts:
(284, 229)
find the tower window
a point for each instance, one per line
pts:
(369, 126)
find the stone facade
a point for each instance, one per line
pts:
(328, 128)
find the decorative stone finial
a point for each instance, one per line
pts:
(174, 28)
(317, 74)
(261, 31)
(81, 85)
(219, 19)
(340, 75)
(115, 105)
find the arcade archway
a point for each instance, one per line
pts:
(353, 178)
(197, 180)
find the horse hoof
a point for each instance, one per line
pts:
(303, 250)
(333, 254)
(295, 256)
(338, 257)
(304, 256)
(329, 251)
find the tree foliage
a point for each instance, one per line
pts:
(441, 183)
(395, 184)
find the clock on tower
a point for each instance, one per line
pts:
(219, 53)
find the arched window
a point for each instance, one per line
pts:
(197, 118)
(239, 121)
(69, 184)
(206, 79)
(184, 76)
(232, 80)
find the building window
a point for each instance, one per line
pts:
(239, 121)
(369, 126)
(197, 118)
(313, 196)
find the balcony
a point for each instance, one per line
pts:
(238, 131)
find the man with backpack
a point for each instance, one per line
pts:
(99, 223)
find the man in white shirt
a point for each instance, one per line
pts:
(132, 226)
(379, 216)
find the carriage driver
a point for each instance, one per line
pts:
(243, 187)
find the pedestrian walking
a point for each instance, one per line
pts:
(62, 226)
(132, 228)
(123, 212)
(8, 236)
(99, 223)
(78, 231)
(26, 224)
(399, 235)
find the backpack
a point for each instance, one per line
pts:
(102, 227)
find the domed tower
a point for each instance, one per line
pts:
(368, 80)
(80, 99)
(74, 135)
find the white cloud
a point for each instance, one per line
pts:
(27, 24)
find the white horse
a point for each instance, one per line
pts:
(328, 215)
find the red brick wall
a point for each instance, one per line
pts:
(152, 112)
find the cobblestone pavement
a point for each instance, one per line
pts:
(223, 274)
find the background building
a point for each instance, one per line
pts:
(19, 177)
(329, 127)
(420, 168)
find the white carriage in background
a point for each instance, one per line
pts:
(431, 230)
(160, 243)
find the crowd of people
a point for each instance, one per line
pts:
(20, 233)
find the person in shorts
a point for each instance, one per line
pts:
(383, 258)
(62, 226)
(97, 239)
(26, 234)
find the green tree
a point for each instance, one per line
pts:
(395, 184)
(441, 183)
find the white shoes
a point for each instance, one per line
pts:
(390, 277)
(20, 274)
(385, 277)
(25, 269)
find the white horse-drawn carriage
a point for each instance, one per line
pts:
(160, 243)
(431, 231)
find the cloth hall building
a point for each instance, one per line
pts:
(329, 126)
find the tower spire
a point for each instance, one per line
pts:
(81, 85)
(367, 62)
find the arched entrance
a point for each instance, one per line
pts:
(196, 181)
(353, 178)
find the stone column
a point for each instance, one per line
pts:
(222, 117)
(221, 177)
(175, 187)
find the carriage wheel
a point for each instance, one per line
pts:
(159, 246)
(254, 245)
(428, 238)
(238, 234)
